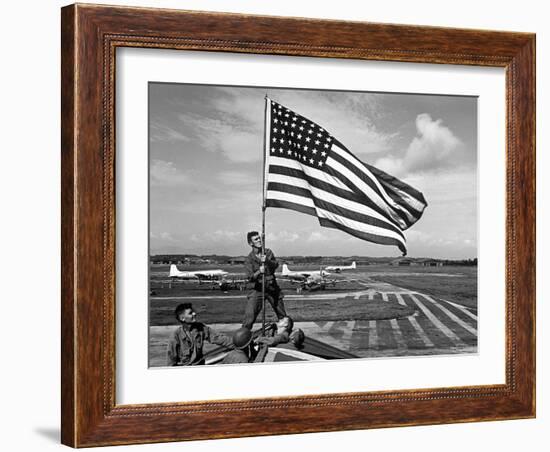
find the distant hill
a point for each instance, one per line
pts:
(306, 260)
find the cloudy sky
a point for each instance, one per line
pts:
(205, 153)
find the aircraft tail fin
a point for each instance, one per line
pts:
(285, 271)
(174, 271)
(353, 266)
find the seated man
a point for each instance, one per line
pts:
(284, 328)
(185, 344)
(244, 350)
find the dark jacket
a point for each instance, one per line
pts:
(185, 345)
(252, 265)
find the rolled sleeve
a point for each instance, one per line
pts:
(217, 338)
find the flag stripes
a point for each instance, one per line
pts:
(328, 201)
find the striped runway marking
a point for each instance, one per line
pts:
(452, 316)
(398, 335)
(416, 326)
(440, 325)
(373, 334)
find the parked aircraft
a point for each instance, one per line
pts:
(309, 280)
(198, 274)
(301, 275)
(340, 268)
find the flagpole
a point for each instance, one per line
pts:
(263, 214)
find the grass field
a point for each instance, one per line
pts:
(456, 284)
(375, 311)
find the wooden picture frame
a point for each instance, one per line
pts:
(90, 36)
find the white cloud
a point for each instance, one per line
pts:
(165, 236)
(225, 235)
(282, 236)
(433, 148)
(236, 178)
(164, 173)
(232, 137)
(163, 133)
(317, 236)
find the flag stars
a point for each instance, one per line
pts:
(275, 130)
(323, 154)
(320, 163)
(326, 145)
(317, 141)
(299, 136)
(305, 148)
(308, 139)
(310, 131)
(311, 160)
(314, 151)
(281, 140)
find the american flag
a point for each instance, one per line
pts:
(310, 171)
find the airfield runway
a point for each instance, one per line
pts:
(367, 317)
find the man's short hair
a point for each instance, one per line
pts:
(180, 309)
(297, 337)
(250, 235)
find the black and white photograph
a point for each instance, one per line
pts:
(306, 225)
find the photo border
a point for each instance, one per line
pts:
(90, 36)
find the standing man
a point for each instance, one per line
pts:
(256, 265)
(185, 345)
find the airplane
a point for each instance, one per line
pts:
(199, 274)
(225, 285)
(301, 275)
(340, 268)
(309, 280)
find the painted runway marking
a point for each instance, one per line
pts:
(373, 334)
(421, 333)
(439, 325)
(464, 309)
(398, 335)
(426, 332)
(452, 316)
